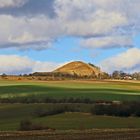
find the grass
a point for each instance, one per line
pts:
(87, 121)
(12, 114)
(96, 90)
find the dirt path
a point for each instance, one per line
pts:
(116, 134)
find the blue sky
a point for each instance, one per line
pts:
(43, 35)
(67, 49)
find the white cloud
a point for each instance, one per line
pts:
(84, 18)
(12, 3)
(105, 18)
(45, 66)
(23, 31)
(81, 18)
(14, 64)
(107, 42)
(128, 61)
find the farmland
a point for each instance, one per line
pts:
(94, 90)
(12, 114)
(76, 119)
(93, 134)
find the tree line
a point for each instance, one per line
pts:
(120, 75)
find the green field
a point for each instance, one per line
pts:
(12, 115)
(95, 90)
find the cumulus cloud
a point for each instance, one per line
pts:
(37, 32)
(127, 61)
(81, 18)
(107, 42)
(14, 64)
(29, 8)
(44, 21)
(45, 66)
(12, 3)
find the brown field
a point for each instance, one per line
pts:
(94, 134)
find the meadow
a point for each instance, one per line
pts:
(93, 90)
(11, 115)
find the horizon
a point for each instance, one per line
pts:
(40, 36)
(66, 64)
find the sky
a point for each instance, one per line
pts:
(41, 35)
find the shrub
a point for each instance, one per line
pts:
(124, 109)
(27, 125)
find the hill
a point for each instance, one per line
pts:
(79, 68)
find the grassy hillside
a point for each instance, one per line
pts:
(79, 68)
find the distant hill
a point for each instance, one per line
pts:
(72, 70)
(79, 68)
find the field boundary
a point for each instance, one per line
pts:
(67, 132)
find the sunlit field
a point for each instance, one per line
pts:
(94, 90)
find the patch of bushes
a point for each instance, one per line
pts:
(100, 107)
(46, 112)
(57, 109)
(122, 109)
(125, 109)
(42, 99)
(27, 125)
